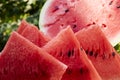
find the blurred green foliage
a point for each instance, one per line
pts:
(117, 47)
(13, 11)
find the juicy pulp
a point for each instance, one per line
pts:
(57, 14)
(103, 56)
(66, 48)
(22, 60)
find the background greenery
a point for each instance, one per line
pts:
(13, 11)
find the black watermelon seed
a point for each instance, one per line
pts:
(88, 24)
(96, 54)
(110, 2)
(86, 51)
(81, 70)
(81, 49)
(74, 26)
(104, 25)
(93, 23)
(67, 10)
(91, 53)
(69, 71)
(118, 6)
(113, 54)
(69, 53)
(56, 8)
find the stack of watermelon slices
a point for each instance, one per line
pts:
(85, 55)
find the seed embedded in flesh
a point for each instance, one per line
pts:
(88, 24)
(118, 6)
(110, 2)
(81, 70)
(70, 53)
(69, 71)
(93, 23)
(91, 53)
(104, 25)
(81, 49)
(86, 51)
(67, 10)
(74, 26)
(113, 54)
(55, 8)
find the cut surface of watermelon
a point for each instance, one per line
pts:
(57, 14)
(65, 48)
(34, 35)
(22, 26)
(22, 60)
(100, 52)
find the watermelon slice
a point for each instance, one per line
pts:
(103, 56)
(22, 60)
(57, 14)
(22, 26)
(34, 35)
(65, 48)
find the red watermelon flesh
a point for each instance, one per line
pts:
(100, 52)
(34, 35)
(56, 14)
(22, 26)
(22, 60)
(65, 48)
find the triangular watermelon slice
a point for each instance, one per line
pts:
(34, 35)
(65, 48)
(82, 13)
(22, 60)
(103, 56)
(22, 26)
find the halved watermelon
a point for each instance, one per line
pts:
(57, 14)
(34, 35)
(22, 60)
(66, 48)
(103, 56)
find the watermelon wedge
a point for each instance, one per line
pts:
(65, 47)
(34, 35)
(57, 14)
(22, 26)
(103, 56)
(22, 60)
